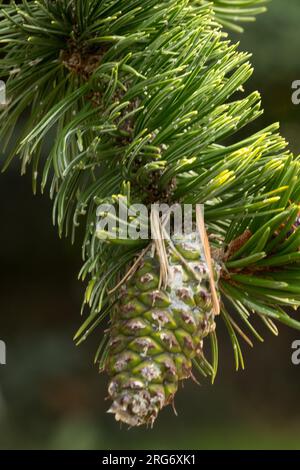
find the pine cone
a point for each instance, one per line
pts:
(156, 333)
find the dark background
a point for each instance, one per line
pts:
(51, 395)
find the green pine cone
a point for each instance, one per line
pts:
(156, 333)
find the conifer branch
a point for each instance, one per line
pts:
(146, 102)
(231, 13)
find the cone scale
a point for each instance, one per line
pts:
(155, 333)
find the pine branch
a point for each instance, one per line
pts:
(147, 102)
(232, 12)
(192, 117)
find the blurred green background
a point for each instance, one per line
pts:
(50, 393)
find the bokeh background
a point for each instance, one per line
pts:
(51, 396)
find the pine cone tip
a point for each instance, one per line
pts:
(137, 408)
